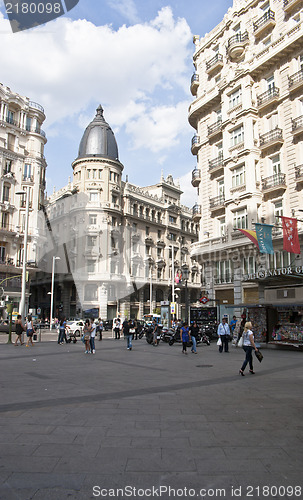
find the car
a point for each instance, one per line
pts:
(107, 324)
(4, 326)
(75, 327)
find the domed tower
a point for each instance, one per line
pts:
(97, 170)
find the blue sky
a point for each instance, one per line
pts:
(135, 58)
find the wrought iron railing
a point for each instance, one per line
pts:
(195, 78)
(297, 122)
(216, 201)
(195, 140)
(295, 78)
(196, 210)
(271, 93)
(215, 127)
(196, 174)
(216, 162)
(299, 171)
(273, 135)
(35, 105)
(214, 60)
(274, 181)
(263, 20)
(238, 38)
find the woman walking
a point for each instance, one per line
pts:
(248, 346)
(29, 330)
(185, 337)
(19, 330)
(194, 332)
(86, 333)
(62, 331)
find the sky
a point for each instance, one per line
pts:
(134, 57)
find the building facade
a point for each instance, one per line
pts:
(115, 240)
(22, 170)
(247, 114)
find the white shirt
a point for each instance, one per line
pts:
(93, 331)
(246, 339)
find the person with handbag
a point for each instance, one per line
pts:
(29, 330)
(248, 346)
(224, 335)
(86, 335)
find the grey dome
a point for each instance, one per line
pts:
(98, 139)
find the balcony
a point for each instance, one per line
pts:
(35, 105)
(265, 23)
(214, 129)
(297, 125)
(224, 278)
(217, 203)
(195, 144)
(196, 177)
(236, 45)
(215, 165)
(10, 120)
(272, 138)
(295, 81)
(289, 5)
(197, 212)
(194, 84)
(149, 240)
(214, 64)
(299, 174)
(271, 96)
(28, 178)
(274, 184)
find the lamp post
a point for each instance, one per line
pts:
(185, 274)
(52, 292)
(23, 281)
(150, 289)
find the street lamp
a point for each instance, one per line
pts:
(23, 282)
(185, 275)
(52, 292)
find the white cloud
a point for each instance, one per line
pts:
(126, 8)
(67, 65)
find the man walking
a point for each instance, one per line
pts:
(224, 334)
(127, 334)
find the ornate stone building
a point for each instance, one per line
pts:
(22, 169)
(115, 240)
(248, 116)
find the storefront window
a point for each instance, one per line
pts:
(279, 260)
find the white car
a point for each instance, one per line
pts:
(75, 328)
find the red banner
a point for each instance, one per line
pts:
(290, 235)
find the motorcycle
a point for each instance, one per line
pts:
(149, 334)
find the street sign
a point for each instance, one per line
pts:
(173, 308)
(38, 310)
(204, 299)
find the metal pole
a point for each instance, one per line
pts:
(23, 282)
(186, 302)
(173, 273)
(52, 294)
(150, 291)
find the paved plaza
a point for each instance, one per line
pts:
(148, 423)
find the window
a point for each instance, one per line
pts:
(172, 236)
(249, 265)
(10, 117)
(221, 189)
(175, 253)
(91, 241)
(88, 173)
(147, 230)
(278, 211)
(92, 219)
(159, 233)
(148, 250)
(159, 273)
(159, 252)
(222, 226)
(238, 176)
(237, 136)
(271, 83)
(114, 221)
(276, 165)
(113, 176)
(27, 171)
(240, 219)
(114, 243)
(100, 174)
(135, 227)
(5, 193)
(8, 166)
(5, 220)
(91, 292)
(28, 124)
(91, 266)
(172, 220)
(224, 271)
(93, 197)
(114, 199)
(279, 259)
(235, 98)
(2, 252)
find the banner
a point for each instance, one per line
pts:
(264, 237)
(290, 235)
(252, 235)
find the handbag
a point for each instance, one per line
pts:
(240, 343)
(259, 355)
(219, 342)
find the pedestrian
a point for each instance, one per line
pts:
(224, 335)
(136, 329)
(86, 335)
(155, 327)
(29, 330)
(62, 334)
(117, 328)
(99, 328)
(194, 331)
(248, 346)
(185, 337)
(232, 324)
(127, 334)
(19, 330)
(92, 337)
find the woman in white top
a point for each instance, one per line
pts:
(248, 346)
(29, 330)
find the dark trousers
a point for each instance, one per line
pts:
(117, 333)
(248, 358)
(225, 340)
(184, 346)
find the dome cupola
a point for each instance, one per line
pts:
(98, 139)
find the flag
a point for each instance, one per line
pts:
(290, 235)
(264, 237)
(252, 235)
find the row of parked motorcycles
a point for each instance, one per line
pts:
(172, 335)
